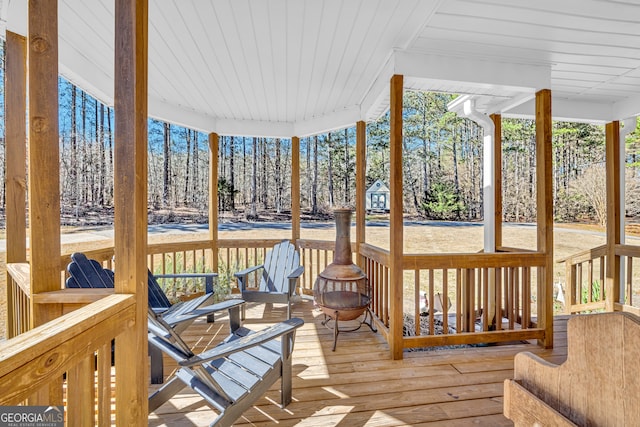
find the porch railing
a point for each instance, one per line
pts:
(18, 299)
(473, 298)
(585, 279)
(480, 297)
(67, 361)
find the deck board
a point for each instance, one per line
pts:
(358, 384)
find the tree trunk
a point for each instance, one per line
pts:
(196, 168)
(309, 176)
(103, 160)
(166, 173)
(279, 189)
(244, 173)
(83, 176)
(314, 189)
(265, 176)
(346, 168)
(110, 139)
(187, 168)
(330, 170)
(232, 174)
(74, 152)
(253, 212)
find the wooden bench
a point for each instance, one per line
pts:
(598, 384)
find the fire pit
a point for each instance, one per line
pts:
(342, 290)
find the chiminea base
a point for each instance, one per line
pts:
(335, 317)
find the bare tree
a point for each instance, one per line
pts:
(166, 173)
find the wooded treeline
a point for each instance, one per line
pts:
(442, 166)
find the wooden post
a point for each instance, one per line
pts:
(214, 140)
(497, 176)
(361, 171)
(16, 146)
(130, 204)
(396, 227)
(44, 170)
(544, 193)
(612, 280)
(295, 189)
(44, 155)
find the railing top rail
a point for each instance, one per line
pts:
(585, 255)
(247, 243)
(31, 345)
(628, 250)
(21, 275)
(473, 260)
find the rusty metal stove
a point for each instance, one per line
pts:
(342, 290)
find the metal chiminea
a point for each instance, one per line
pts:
(342, 290)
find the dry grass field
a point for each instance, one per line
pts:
(438, 238)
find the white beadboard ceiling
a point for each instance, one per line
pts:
(299, 67)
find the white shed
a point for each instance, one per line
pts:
(377, 197)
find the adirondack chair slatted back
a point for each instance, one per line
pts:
(278, 264)
(88, 273)
(157, 297)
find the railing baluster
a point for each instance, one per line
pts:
(485, 298)
(445, 301)
(416, 301)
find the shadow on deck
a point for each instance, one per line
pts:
(359, 385)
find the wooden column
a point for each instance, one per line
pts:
(396, 238)
(544, 193)
(44, 156)
(214, 141)
(497, 215)
(497, 176)
(16, 146)
(612, 279)
(130, 203)
(44, 170)
(361, 176)
(295, 189)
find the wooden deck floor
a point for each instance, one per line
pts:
(359, 385)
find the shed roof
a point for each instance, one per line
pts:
(299, 67)
(378, 187)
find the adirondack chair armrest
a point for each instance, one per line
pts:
(242, 275)
(293, 279)
(209, 278)
(295, 274)
(233, 305)
(223, 350)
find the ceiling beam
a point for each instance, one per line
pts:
(473, 72)
(565, 110)
(627, 108)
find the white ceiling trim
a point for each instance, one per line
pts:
(328, 123)
(162, 110)
(474, 72)
(567, 110)
(626, 108)
(254, 128)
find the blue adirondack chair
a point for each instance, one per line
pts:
(88, 273)
(278, 279)
(231, 376)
